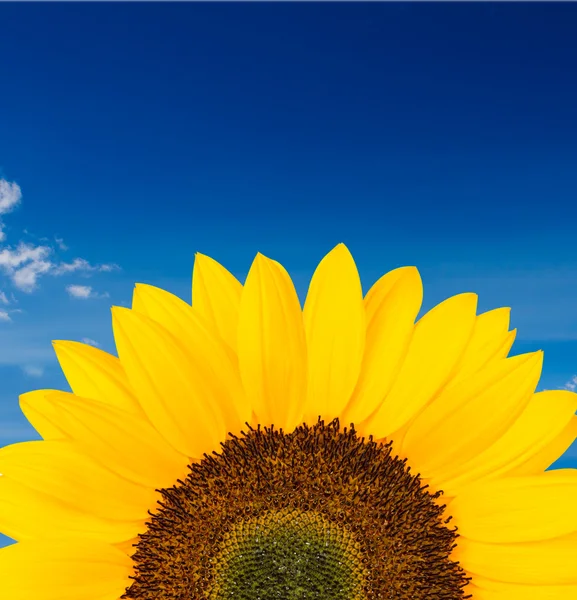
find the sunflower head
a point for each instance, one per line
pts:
(316, 513)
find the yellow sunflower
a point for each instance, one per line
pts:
(244, 448)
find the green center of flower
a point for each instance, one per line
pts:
(316, 513)
(291, 555)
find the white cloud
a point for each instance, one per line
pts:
(60, 243)
(12, 259)
(107, 268)
(3, 298)
(571, 385)
(5, 314)
(83, 292)
(79, 291)
(90, 341)
(33, 371)
(24, 263)
(10, 196)
(80, 264)
(30, 343)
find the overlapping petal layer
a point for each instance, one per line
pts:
(63, 570)
(52, 488)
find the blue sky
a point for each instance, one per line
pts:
(134, 135)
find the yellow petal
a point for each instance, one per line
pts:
(119, 441)
(216, 296)
(41, 414)
(60, 470)
(28, 514)
(271, 345)
(129, 546)
(203, 346)
(175, 394)
(392, 305)
(490, 340)
(476, 355)
(472, 414)
(63, 570)
(44, 494)
(545, 457)
(518, 509)
(550, 562)
(334, 316)
(542, 432)
(437, 344)
(92, 373)
(486, 589)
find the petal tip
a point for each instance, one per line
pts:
(121, 313)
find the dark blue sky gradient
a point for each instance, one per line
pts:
(439, 135)
(450, 122)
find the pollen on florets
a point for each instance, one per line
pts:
(316, 513)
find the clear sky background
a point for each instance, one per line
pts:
(134, 135)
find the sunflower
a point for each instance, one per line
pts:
(244, 448)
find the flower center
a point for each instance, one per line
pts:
(317, 513)
(288, 554)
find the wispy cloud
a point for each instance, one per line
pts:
(10, 196)
(29, 342)
(33, 371)
(84, 292)
(3, 298)
(80, 264)
(79, 291)
(25, 262)
(60, 243)
(571, 385)
(90, 342)
(5, 315)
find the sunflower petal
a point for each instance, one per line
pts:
(127, 445)
(59, 469)
(92, 373)
(41, 414)
(28, 514)
(272, 346)
(174, 392)
(128, 546)
(487, 589)
(539, 436)
(490, 340)
(216, 296)
(547, 562)
(544, 458)
(49, 489)
(472, 414)
(518, 509)
(62, 570)
(437, 344)
(392, 305)
(334, 316)
(204, 347)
